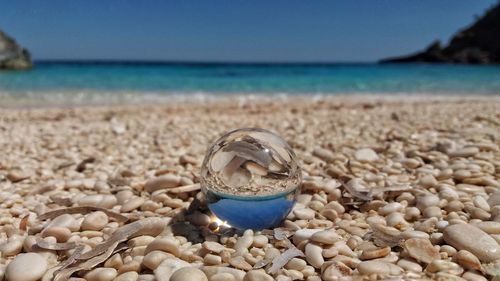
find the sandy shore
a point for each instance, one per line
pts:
(391, 188)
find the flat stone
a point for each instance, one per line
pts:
(257, 275)
(314, 255)
(468, 261)
(304, 214)
(370, 254)
(168, 267)
(162, 182)
(324, 154)
(378, 267)
(464, 152)
(98, 200)
(153, 259)
(471, 238)
(328, 237)
(16, 176)
(410, 265)
(366, 155)
(165, 244)
(422, 250)
(132, 204)
(127, 276)
(95, 221)
(490, 227)
(26, 267)
(214, 270)
(188, 273)
(494, 199)
(101, 274)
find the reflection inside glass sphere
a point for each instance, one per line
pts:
(250, 178)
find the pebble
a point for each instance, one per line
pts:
(370, 254)
(154, 258)
(410, 163)
(12, 246)
(257, 275)
(421, 249)
(303, 234)
(188, 273)
(17, 269)
(62, 234)
(480, 202)
(432, 211)
(210, 259)
(494, 199)
(428, 181)
(366, 155)
(304, 214)
(328, 237)
(410, 265)
(245, 241)
(469, 237)
(167, 267)
(65, 220)
(444, 266)
(162, 182)
(95, 221)
(490, 227)
(106, 201)
(464, 152)
(390, 208)
(132, 204)
(213, 247)
(166, 244)
(224, 276)
(101, 274)
(335, 271)
(324, 154)
(127, 276)
(296, 264)
(260, 241)
(239, 262)
(17, 176)
(314, 255)
(378, 267)
(473, 276)
(213, 270)
(468, 260)
(427, 201)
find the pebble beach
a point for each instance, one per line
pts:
(393, 189)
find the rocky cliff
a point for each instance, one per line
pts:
(13, 56)
(476, 44)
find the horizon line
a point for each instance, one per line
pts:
(197, 62)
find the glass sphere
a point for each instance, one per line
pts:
(250, 178)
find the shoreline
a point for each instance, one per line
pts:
(148, 99)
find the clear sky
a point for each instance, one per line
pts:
(233, 30)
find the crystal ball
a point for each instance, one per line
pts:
(250, 178)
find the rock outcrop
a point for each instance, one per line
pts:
(476, 44)
(13, 56)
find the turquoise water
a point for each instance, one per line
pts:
(100, 81)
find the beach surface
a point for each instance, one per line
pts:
(396, 186)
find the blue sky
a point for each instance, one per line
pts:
(233, 30)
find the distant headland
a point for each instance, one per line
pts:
(476, 44)
(13, 56)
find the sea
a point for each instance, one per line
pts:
(101, 82)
